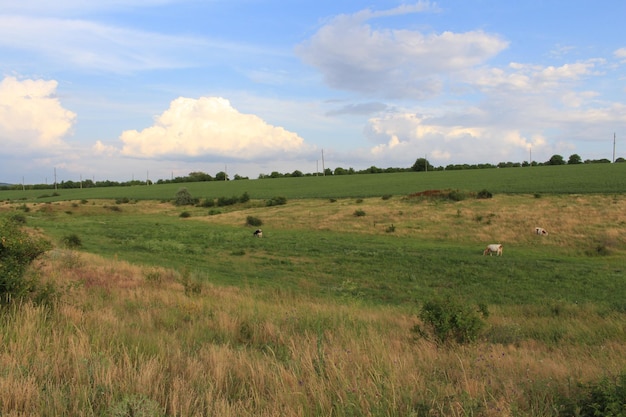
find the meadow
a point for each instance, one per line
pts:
(164, 314)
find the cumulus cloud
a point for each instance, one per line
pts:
(396, 63)
(31, 116)
(621, 55)
(210, 126)
(419, 135)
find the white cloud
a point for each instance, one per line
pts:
(393, 62)
(210, 126)
(621, 55)
(31, 117)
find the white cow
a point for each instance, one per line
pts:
(258, 233)
(493, 248)
(541, 231)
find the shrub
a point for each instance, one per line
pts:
(358, 213)
(483, 194)
(456, 195)
(184, 214)
(184, 198)
(72, 241)
(18, 218)
(449, 319)
(604, 398)
(276, 201)
(244, 198)
(386, 196)
(253, 221)
(225, 201)
(17, 250)
(209, 202)
(390, 229)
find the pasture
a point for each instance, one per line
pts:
(169, 315)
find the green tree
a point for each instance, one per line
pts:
(422, 164)
(574, 159)
(184, 198)
(556, 160)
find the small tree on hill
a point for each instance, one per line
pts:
(556, 160)
(574, 159)
(422, 164)
(184, 198)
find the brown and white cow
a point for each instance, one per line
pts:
(493, 248)
(258, 233)
(541, 231)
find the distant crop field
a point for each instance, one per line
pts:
(567, 179)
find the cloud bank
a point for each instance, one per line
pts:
(31, 116)
(393, 63)
(210, 127)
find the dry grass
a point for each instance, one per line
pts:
(124, 336)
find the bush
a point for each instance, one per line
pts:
(184, 214)
(72, 241)
(254, 221)
(604, 398)
(209, 202)
(276, 201)
(184, 198)
(225, 201)
(17, 250)
(18, 218)
(358, 213)
(449, 319)
(456, 195)
(244, 198)
(483, 194)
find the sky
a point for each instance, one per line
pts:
(153, 89)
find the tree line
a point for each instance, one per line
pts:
(420, 165)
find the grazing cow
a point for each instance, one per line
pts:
(541, 231)
(258, 233)
(493, 248)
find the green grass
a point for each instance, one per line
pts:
(319, 316)
(567, 179)
(381, 269)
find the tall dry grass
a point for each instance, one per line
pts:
(127, 340)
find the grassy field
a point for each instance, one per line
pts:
(568, 179)
(192, 316)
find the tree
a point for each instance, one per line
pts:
(574, 159)
(556, 160)
(221, 176)
(422, 164)
(184, 198)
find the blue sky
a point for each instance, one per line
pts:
(135, 89)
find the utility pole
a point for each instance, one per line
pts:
(613, 147)
(55, 178)
(323, 168)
